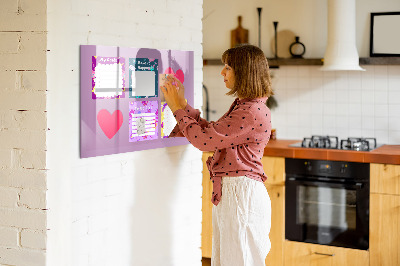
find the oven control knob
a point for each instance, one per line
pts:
(308, 166)
(343, 168)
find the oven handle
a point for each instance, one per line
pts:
(357, 185)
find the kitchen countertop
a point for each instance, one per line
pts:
(389, 154)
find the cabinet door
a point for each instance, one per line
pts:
(384, 230)
(385, 178)
(277, 233)
(274, 168)
(304, 254)
(206, 225)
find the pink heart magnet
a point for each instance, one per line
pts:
(110, 123)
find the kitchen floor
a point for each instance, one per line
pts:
(206, 261)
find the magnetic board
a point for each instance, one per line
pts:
(122, 108)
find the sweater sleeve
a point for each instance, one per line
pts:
(229, 131)
(193, 113)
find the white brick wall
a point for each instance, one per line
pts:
(23, 132)
(138, 208)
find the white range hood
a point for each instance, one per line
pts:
(341, 51)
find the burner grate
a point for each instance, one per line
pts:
(358, 144)
(327, 142)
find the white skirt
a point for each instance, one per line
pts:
(241, 223)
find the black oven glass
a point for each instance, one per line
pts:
(327, 204)
(328, 208)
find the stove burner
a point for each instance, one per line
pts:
(328, 142)
(358, 144)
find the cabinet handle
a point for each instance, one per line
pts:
(324, 254)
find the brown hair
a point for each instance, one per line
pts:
(250, 66)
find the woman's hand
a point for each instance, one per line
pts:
(174, 93)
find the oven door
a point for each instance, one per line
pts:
(327, 213)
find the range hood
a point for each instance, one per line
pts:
(341, 51)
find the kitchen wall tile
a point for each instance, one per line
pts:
(317, 95)
(355, 122)
(331, 131)
(394, 110)
(329, 121)
(355, 132)
(292, 83)
(380, 84)
(329, 109)
(367, 110)
(381, 123)
(394, 137)
(367, 96)
(368, 122)
(304, 109)
(354, 80)
(381, 97)
(394, 97)
(293, 120)
(342, 109)
(291, 71)
(317, 120)
(303, 82)
(367, 133)
(317, 131)
(381, 110)
(315, 72)
(328, 74)
(342, 122)
(393, 71)
(342, 133)
(342, 96)
(355, 109)
(355, 96)
(381, 136)
(304, 72)
(369, 70)
(329, 93)
(394, 123)
(394, 83)
(316, 82)
(380, 71)
(367, 81)
(342, 80)
(317, 108)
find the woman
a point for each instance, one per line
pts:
(242, 211)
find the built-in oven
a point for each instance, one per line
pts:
(327, 202)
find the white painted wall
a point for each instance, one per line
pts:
(306, 19)
(344, 103)
(138, 208)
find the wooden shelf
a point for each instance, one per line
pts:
(380, 61)
(273, 63)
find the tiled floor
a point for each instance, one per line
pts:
(206, 261)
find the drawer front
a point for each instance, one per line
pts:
(297, 253)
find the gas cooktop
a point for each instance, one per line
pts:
(332, 142)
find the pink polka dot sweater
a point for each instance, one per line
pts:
(238, 139)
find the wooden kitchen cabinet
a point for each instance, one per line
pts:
(305, 254)
(206, 225)
(385, 178)
(277, 233)
(385, 215)
(274, 168)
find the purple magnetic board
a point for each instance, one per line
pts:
(122, 107)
